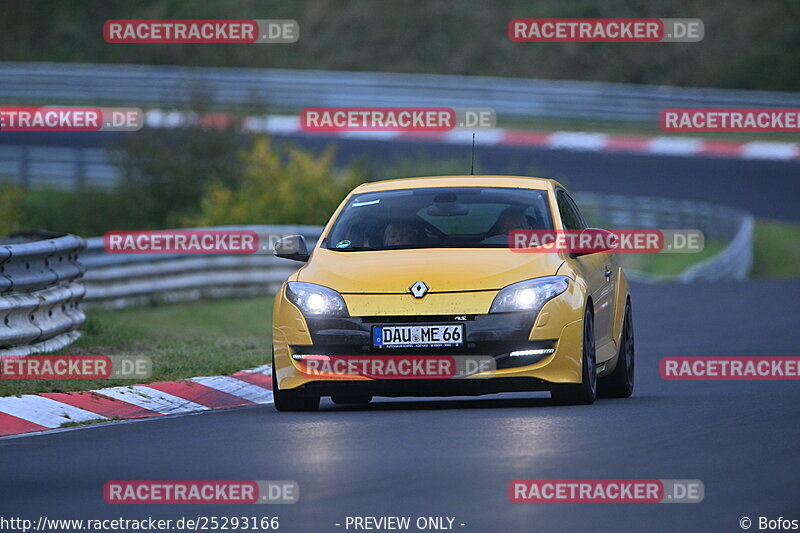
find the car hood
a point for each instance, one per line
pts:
(442, 269)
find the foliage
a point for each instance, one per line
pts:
(85, 213)
(776, 250)
(299, 187)
(10, 210)
(747, 45)
(204, 338)
(165, 172)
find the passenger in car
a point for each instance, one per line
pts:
(509, 220)
(400, 233)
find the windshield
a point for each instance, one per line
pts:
(441, 217)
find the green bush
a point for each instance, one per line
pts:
(10, 210)
(198, 177)
(298, 187)
(86, 212)
(165, 172)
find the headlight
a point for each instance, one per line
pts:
(316, 300)
(529, 295)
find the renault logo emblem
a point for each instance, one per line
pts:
(419, 289)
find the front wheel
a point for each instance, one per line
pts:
(585, 392)
(292, 400)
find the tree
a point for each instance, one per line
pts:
(298, 187)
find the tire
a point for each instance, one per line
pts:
(619, 384)
(344, 399)
(585, 392)
(292, 400)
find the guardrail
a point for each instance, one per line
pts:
(718, 224)
(116, 281)
(40, 288)
(57, 167)
(231, 88)
(39, 292)
(125, 280)
(267, 90)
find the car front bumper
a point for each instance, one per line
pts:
(485, 335)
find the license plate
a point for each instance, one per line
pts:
(418, 336)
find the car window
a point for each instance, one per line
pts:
(577, 211)
(570, 216)
(448, 217)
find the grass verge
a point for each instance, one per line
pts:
(72, 424)
(223, 336)
(776, 252)
(183, 340)
(667, 264)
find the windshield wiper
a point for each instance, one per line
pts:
(355, 249)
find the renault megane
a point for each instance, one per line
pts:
(421, 269)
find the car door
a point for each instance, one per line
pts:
(597, 269)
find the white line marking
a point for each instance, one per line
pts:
(770, 150)
(576, 140)
(263, 369)
(236, 387)
(482, 137)
(674, 145)
(44, 411)
(368, 135)
(152, 399)
(566, 140)
(154, 118)
(283, 124)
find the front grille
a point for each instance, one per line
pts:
(357, 331)
(494, 335)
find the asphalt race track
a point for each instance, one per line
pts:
(768, 189)
(456, 457)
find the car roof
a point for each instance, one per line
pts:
(523, 182)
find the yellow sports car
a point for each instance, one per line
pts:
(414, 289)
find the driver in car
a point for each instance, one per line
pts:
(510, 219)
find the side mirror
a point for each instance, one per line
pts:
(593, 241)
(292, 247)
